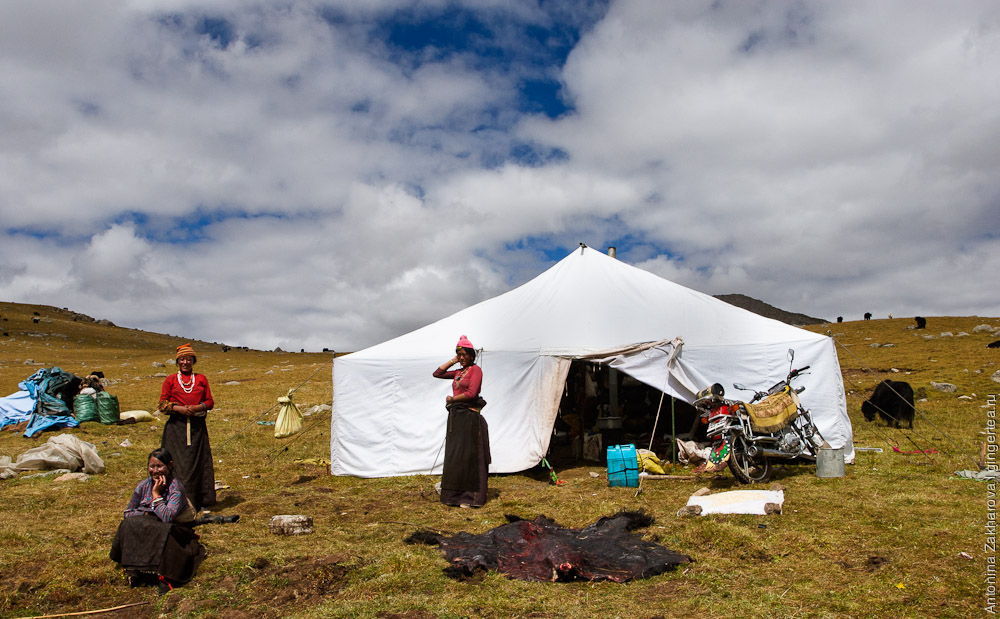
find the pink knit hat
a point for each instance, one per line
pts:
(463, 342)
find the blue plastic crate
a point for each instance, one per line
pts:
(623, 466)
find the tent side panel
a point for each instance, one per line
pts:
(383, 416)
(838, 430)
(389, 418)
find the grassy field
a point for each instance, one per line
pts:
(900, 535)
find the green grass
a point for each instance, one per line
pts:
(841, 547)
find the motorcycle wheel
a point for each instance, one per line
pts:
(746, 469)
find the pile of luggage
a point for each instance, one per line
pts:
(52, 398)
(94, 403)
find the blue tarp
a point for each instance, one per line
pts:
(43, 385)
(37, 403)
(41, 423)
(15, 408)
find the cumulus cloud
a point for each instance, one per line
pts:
(114, 266)
(331, 174)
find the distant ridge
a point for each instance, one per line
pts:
(769, 311)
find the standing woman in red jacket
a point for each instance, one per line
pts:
(467, 442)
(187, 398)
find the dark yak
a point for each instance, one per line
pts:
(892, 400)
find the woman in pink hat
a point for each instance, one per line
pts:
(467, 442)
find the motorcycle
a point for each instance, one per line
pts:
(747, 436)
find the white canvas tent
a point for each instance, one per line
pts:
(388, 411)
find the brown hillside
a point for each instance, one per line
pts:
(769, 311)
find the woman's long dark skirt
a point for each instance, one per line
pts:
(466, 458)
(147, 544)
(192, 463)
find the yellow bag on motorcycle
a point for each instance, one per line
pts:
(773, 412)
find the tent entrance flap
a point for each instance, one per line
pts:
(602, 406)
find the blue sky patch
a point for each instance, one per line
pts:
(188, 228)
(35, 232)
(536, 155)
(219, 30)
(496, 41)
(543, 96)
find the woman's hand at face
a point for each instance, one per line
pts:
(159, 486)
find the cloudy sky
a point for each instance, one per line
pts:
(311, 174)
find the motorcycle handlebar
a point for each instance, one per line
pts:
(760, 395)
(795, 373)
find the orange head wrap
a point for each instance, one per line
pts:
(185, 350)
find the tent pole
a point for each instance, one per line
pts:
(673, 431)
(613, 392)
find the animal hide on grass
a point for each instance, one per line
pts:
(541, 550)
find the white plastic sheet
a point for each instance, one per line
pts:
(64, 451)
(7, 468)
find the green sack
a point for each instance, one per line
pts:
(107, 407)
(85, 408)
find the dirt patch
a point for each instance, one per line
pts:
(231, 500)
(251, 508)
(238, 614)
(302, 582)
(756, 556)
(871, 564)
(64, 598)
(875, 562)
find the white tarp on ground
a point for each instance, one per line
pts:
(388, 411)
(738, 502)
(64, 451)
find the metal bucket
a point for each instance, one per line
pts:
(830, 462)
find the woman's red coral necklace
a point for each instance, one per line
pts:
(188, 388)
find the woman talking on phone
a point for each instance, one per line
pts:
(467, 442)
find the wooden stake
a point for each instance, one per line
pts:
(87, 612)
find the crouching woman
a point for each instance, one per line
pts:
(155, 542)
